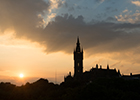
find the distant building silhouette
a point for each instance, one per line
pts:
(78, 61)
(93, 73)
(131, 77)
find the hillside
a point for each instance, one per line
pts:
(100, 89)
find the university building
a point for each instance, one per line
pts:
(93, 73)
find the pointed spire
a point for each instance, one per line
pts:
(78, 43)
(78, 39)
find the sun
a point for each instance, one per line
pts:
(21, 75)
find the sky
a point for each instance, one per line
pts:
(38, 37)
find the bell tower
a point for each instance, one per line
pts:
(78, 61)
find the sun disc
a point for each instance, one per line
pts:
(21, 75)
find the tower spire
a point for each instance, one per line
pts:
(78, 43)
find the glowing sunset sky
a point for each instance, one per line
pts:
(37, 37)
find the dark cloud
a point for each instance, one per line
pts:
(101, 37)
(22, 16)
(60, 34)
(126, 26)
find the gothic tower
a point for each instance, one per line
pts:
(78, 61)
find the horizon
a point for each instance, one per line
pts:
(38, 38)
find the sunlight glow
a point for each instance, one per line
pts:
(21, 75)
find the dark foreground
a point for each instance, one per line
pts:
(101, 89)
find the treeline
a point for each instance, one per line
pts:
(99, 89)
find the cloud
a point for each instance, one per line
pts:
(26, 19)
(96, 34)
(96, 38)
(129, 17)
(55, 4)
(22, 16)
(137, 3)
(50, 17)
(126, 10)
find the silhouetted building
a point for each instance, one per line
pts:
(88, 75)
(131, 76)
(100, 73)
(78, 61)
(68, 78)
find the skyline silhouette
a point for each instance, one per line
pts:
(95, 72)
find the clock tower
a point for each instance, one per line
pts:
(78, 61)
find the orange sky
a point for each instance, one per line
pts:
(22, 56)
(38, 37)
